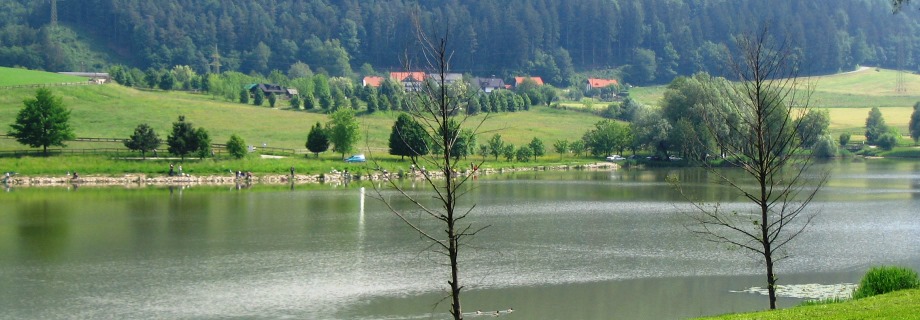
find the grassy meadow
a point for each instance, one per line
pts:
(113, 111)
(15, 77)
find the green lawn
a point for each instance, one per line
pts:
(15, 77)
(903, 304)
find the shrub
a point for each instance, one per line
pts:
(867, 151)
(236, 147)
(844, 139)
(887, 141)
(825, 148)
(885, 279)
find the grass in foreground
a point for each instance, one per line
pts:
(903, 304)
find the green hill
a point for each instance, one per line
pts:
(113, 111)
(17, 77)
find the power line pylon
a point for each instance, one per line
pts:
(215, 61)
(54, 18)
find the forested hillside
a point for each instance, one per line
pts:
(645, 41)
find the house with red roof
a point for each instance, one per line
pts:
(519, 80)
(605, 89)
(372, 81)
(411, 81)
(595, 83)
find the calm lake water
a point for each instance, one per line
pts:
(561, 245)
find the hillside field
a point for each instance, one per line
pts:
(15, 77)
(113, 111)
(848, 97)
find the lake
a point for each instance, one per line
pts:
(560, 245)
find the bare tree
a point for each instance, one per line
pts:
(437, 106)
(779, 182)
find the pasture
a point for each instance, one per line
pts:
(17, 77)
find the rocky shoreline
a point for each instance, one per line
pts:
(330, 177)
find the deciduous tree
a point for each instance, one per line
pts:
(202, 143)
(764, 144)
(524, 153)
(607, 137)
(42, 122)
(875, 126)
(436, 108)
(343, 131)
(561, 147)
(408, 138)
(496, 145)
(536, 146)
(914, 124)
(236, 147)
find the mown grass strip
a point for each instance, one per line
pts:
(897, 305)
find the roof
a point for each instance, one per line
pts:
(92, 75)
(271, 88)
(519, 80)
(448, 77)
(407, 76)
(267, 88)
(373, 81)
(600, 83)
(490, 82)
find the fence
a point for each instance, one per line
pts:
(218, 149)
(118, 152)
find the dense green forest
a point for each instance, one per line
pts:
(643, 41)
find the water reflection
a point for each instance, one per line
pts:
(43, 229)
(564, 245)
(915, 185)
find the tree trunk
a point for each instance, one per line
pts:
(771, 281)
(454, 274)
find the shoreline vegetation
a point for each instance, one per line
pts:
(334, 176)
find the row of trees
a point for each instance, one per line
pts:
(342, 132)
(321, 92)
(184, 140)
